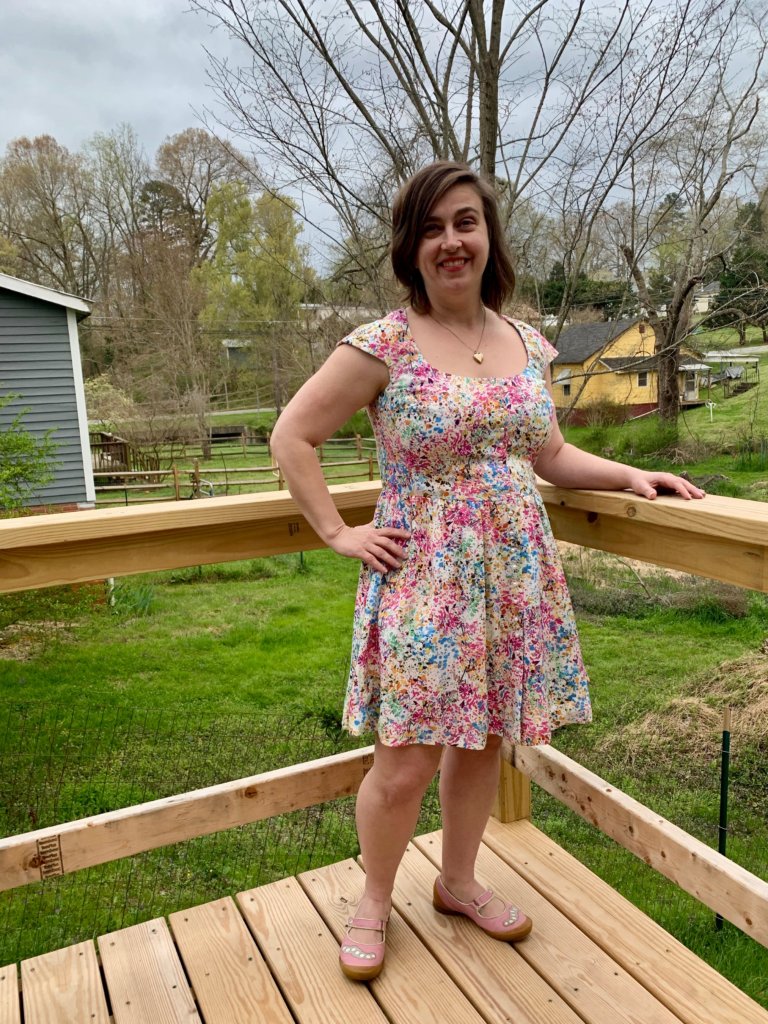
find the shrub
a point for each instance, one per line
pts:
(649, 437)
(358, 424)
(25, 460)
(602, 412)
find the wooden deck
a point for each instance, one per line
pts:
(270, 955)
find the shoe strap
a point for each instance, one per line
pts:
(483, 899)
(365, 922)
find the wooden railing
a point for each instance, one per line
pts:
(721, 538)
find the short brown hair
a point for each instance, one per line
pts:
(413, 204)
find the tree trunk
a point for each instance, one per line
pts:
(277, 388)
(668, 361)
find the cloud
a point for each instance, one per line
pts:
(75, 68)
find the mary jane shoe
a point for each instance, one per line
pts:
(510, 925)
(362, 961)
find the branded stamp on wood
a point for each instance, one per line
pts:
(293, 529)
(49, 857)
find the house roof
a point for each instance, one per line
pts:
(576, 344)
(38, 291)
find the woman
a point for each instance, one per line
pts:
(464, 634)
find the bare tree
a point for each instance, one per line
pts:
(707, 161)
(552, 101)
(196, 163)
(46, 214)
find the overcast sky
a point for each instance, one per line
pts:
(69, 68)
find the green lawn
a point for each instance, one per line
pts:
(197, 676)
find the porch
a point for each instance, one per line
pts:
(270, 953)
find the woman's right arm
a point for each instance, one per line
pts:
(348, 381)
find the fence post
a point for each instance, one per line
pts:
(513, 797)
(176, 482)
(196, 478)
(359, 446)
(280, 479)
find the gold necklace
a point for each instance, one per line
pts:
(477, 355)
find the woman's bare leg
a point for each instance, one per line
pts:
(469, 780)
(388, 805)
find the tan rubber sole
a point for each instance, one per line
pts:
(361, 973)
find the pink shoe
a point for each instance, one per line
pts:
(509, 926)
(362, 961)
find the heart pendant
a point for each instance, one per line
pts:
(477, 356)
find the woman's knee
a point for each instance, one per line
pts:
(401, 778)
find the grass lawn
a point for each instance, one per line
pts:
(195, 676)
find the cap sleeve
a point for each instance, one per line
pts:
(549, 352)
(540, 351)
(385, 339)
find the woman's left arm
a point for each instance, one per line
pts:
(565, 465)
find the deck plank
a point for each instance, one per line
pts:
(10, 1006)
(412, 987)
(597, 988)
(63, 986)
(493, 975)
(696, 992)
(144, 976)
(303, 956)
(232, 984)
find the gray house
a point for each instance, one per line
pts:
(40, 361)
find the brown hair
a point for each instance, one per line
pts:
(410, 210)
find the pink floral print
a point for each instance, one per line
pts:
(474, 635)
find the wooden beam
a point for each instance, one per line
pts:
(60, 849)
(513, 797)
(733, 549)
(45, 551)
(720, 538)
(725, 887)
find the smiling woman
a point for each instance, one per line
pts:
(464, 634)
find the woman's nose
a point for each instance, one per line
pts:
(450, 239)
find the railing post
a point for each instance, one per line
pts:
(513, 797)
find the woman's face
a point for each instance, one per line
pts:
(453, 250)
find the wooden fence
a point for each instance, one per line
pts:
(720, 538)
(121, 486)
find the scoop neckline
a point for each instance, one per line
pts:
(466, 376)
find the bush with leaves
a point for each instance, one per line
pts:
(25, 460)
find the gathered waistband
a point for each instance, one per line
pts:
(460, 490)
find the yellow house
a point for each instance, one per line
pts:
(613, 363)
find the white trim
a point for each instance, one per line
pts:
(82, 415)
(37, 291)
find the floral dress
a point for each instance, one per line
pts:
(474, 634)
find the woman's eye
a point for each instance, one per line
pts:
(467, 222)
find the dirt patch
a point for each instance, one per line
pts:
(692, 724)
(24, 640)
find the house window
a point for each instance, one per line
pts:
(642, 379)
(566, 390)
